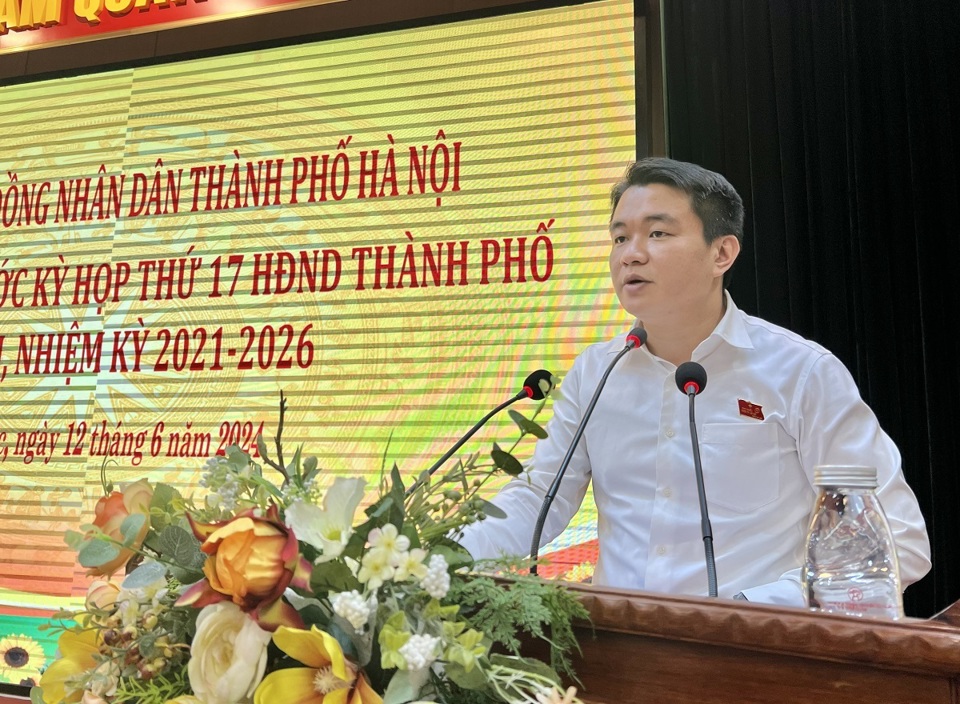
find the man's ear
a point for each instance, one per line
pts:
(726, 250)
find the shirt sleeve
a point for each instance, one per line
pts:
(839, 428)
(521, 499)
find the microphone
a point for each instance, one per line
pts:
(692, 380)
(635, 338)
(532, 389)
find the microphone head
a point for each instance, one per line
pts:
(637, 337)
(691, 376)
(532, 387)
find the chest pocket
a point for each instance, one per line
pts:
(741, 465)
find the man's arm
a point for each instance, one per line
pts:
(522, 497)
(835, 426)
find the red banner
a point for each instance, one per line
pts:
(34, 24)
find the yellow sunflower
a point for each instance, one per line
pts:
(21, 658)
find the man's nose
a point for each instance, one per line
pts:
(634, 251)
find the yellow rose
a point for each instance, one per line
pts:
(184, 699)
(252, 561)
(110, 513)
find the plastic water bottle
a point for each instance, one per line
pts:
(851, 562)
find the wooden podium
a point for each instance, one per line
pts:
(657, 649)
(648, 648)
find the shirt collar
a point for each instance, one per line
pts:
(731, 329)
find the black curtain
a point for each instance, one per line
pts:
(838, 121)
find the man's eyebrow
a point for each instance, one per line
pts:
(652, 218)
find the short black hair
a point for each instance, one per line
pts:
(714, 200)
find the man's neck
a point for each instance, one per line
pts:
(676, 339)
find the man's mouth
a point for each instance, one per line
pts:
(634, 280)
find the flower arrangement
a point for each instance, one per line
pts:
(272, 592)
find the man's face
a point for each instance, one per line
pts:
(662, 268)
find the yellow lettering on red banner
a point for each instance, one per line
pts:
(88, 10)
(118, 7)
(19, 15)
(9, 15)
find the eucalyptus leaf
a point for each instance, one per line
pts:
(130, 528)
(96, 553)
(505, 461)
(74, 540)
(146, 574)
(236, 456)
(526, 425)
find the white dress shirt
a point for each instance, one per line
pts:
(758, 474)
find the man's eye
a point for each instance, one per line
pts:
(657, 234)
(619, 239)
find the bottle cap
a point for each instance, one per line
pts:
(853, 476)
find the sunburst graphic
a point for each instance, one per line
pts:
(21, 659)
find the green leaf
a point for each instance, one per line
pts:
(309, 467)
(96, 553)
(405, 686)
(262, 448)
(74, 540)
(410, 530)
(36, 696)
(475, 679)
(146, 574)
(333, 576)
(163, 496)
(505, 461)
(181, 548)
(491, 510)
(162, 512)
(455, 555)
(526, 425)
(535, 667)
(293, 469)
(130, 528)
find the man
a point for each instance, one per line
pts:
(775, 406)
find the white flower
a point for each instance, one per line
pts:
(228, 656)
(103, 681)
(327, 528)
(551, 695)
(389, 541)
(410, 566)
(419, 651)
(437, 580)
(128, 609)
(353, 607)
(375, 569)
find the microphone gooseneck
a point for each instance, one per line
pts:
(635, 338)
(691, 380)
(531, 389)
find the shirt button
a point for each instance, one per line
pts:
(661, 550)
(669, 433)
(667, 492)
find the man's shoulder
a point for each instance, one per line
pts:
(765, 334)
